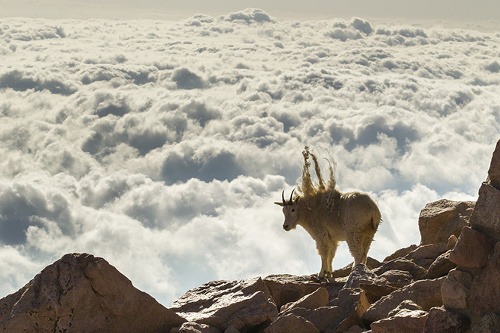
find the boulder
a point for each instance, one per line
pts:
(400, 253)
(371, 263)
(83, 293)
(443, 218)
(288, 288)
(441, 320)
(472, 249)
(486, 215)
(485, 289)
(455, 289)
(401, 264)
(425, 293)
(441, 266)
(224, 304)
(405, 305)
(291, 323)
(425, 255)
(494, 171)
(344, 312)
(408, 321)
(314, 300)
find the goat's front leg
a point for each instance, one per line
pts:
(323, 253)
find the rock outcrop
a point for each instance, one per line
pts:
(448, 283)
(83, 293)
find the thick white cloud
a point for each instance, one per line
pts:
(161, 146)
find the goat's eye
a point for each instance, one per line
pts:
(293, 210)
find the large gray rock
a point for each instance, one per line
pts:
(286, 288)
(316, 299)
(443, 218)
(485, 289)
(225, 304)
(456, 289)
(408, 321)
(486, 215)
(402, 264)
(440, 320)
(83, 293)
(425, 293)
(494, 171)
(472, 250)
(291, 323)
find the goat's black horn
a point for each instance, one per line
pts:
(283, 197)
(291, 195)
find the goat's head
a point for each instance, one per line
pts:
(290, 210)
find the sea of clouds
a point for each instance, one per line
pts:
(161, 146)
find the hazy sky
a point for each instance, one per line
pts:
(454, 10)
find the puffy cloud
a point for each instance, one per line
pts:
(163, 145)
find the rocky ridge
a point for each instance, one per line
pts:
(450, 282)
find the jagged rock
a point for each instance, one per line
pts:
(425, 293)
(343, 312)
(291, 323)
(371, 263)
(455, 289)
(494, 170)
(441, 266)
(440, 219)
(441, 320)
(397, 278)
(359, 275)
(485, 289)
(400, 253)
(486, 215)
(314, 300)
(490, 323)
(83, 293)
(472, 249)
(224, 304)
(191, 327)
(405, 305)
(408, 321)
(402, 264)
(288, 288)
(373, 286)
(425, 255)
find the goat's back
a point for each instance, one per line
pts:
(359, 211)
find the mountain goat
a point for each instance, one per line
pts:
(330, 216)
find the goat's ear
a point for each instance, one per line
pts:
(279, 203)
(296, 200)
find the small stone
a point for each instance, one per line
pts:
(452, 240)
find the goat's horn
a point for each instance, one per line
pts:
(283, 197)
(291, 195)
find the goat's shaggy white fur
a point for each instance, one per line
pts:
(330, 216)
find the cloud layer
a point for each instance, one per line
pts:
(162, 145)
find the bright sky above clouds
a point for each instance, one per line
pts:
(459, 11)
(162, 145)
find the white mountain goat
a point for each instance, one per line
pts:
(330, 216)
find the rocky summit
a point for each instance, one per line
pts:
(450, 282)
